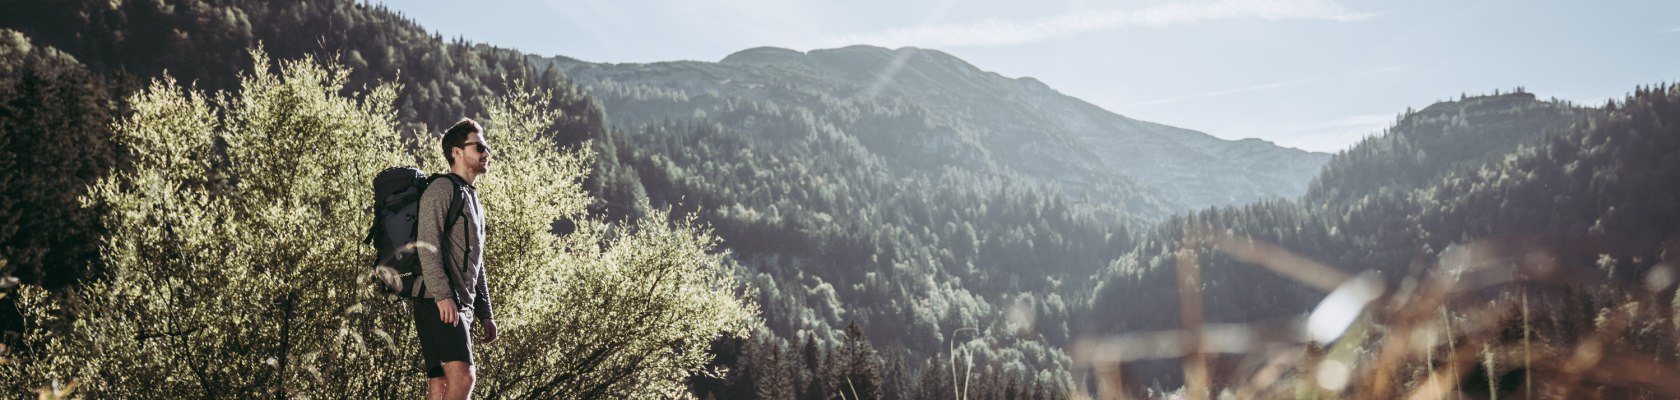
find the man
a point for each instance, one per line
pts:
(457, 275)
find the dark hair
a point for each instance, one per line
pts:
(456, 135)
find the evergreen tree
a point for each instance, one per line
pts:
(815, 380)
(895, 375)
(934, 382)
(776, 378)
(54, 142)
(857, 369)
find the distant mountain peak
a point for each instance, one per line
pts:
(1501, 100)
(868, 48)
(881, 57)
(765, 55)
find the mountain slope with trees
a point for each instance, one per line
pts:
(54, 141)
(941, 111)
(872, 211)
(912, 193)
(1583, 192)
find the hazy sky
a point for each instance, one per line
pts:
(1312, 74)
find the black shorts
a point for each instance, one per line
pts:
(440, 342)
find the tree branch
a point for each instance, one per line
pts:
(143, 336)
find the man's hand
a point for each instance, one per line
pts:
(489, 330)
(447, 312)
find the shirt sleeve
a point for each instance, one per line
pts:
(481, 302)
(434, 208)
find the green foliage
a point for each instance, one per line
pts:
(236, 269)
(232, 269)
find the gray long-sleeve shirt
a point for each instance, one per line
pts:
(466, 243)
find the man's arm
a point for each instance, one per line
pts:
(481, 308)
(481, 302)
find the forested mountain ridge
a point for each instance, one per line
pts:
(834, 235)
(903, 135)
(911, 192)
(204, 42)
(955, 114)
(1584, 191)
(1365, 187)
(1445, 136)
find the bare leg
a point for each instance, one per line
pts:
(436, 387)
(461, 376)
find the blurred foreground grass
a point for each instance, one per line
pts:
(1501, 318)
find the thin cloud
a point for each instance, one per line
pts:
(1333, 135)
(1323, 142)
(1670, 30)
(997, 32)
(1358, 122)
(1268, 86)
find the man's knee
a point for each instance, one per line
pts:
(437, 388)
(460, 372)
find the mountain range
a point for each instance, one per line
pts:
(970, 119)
(905, 196)
(911, 193)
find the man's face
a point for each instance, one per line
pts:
(475, 152)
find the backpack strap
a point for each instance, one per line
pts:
(372, 229)
(457, 201)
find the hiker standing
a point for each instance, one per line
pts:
(455, 289)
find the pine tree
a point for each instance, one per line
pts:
(54, 142)
(776, 377)
(895, 375)
(815, 385)
(934, 381)
(857, 372)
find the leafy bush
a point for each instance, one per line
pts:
(236, 272)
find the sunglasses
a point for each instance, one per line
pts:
(477, 146)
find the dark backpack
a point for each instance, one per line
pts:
(395, 230)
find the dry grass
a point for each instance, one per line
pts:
(1500, 318)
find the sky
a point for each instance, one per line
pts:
(1317, 75)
